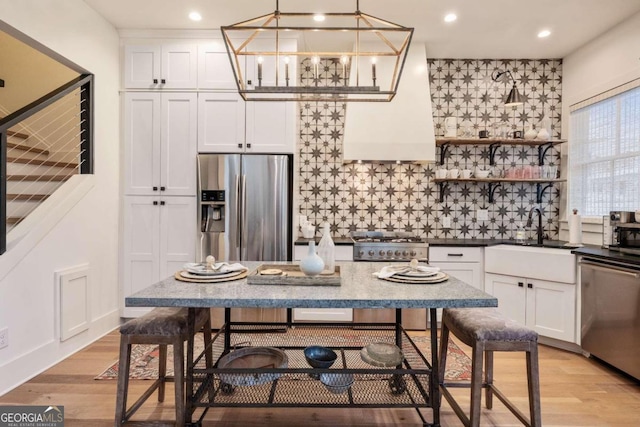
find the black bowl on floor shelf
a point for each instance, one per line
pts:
(320, 357)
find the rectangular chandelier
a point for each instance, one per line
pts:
(317, 57)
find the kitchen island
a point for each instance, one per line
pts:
(412, 384)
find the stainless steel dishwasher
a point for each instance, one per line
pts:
(610, 326)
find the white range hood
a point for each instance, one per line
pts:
(399, 130)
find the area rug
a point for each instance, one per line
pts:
(144, 361)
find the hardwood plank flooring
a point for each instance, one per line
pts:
(575, 391)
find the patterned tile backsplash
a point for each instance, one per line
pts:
(403, 197)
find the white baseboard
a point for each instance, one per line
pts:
(37, 360)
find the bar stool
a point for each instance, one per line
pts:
(163, 326)
(485, 330)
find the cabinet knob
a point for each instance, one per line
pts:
(530, 285)
(239, 145)
(162, 188)
(155, 188)
(249, 145)
(520, 284)
(162, 203)
(163, 81)
(249, 82)
(155, 203)
(155, 81)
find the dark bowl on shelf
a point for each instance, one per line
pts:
(320, 357)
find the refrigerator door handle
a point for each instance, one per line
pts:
(244, 210)
(238, 212)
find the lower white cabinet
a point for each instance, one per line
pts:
(342, 253)
(544, 306)
(159, 236)
(463, 263)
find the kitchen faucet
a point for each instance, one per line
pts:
(530, 221)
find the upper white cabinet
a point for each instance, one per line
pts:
(161, 66)
(270, 127)
(221, 122)
(160, 143)
(214, 67)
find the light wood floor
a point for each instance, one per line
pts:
(575, 392)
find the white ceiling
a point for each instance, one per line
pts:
(484, 29)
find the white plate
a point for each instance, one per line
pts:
(417, 273)
(219, 275)
(200, 270)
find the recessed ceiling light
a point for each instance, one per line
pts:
(544, 33)
(450, 17)
(318, 17)
(195, 16)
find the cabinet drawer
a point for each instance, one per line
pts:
(455, 254)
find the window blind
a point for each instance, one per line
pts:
(604, 152)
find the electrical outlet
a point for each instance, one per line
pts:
(4, 337)
(446, 222)
(482, 214)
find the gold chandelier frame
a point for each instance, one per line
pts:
(239, 40)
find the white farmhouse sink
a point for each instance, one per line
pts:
(557, 265)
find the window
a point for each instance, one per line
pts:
(605, 153)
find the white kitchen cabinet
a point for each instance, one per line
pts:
(342, 253)
(214, 68)
(221, 122)
(464, 263)
(271, 127)
(160, 143)
(158, 238)
(161, 66)
(545, 306)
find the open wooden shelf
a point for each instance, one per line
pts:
(494, 183)
(501, 141)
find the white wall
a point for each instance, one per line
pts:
(88, 234)
(602, 64)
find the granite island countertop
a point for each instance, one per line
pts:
(359, 289)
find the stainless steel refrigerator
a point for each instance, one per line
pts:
(244, 208)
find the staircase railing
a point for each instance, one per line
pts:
(65, 115)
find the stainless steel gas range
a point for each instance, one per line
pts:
(388, 246)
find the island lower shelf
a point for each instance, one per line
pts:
(407, 385)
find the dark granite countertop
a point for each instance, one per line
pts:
(458, 242)
(359, 289)
(606, 254)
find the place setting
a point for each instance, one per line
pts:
(211, 271)
(412, 272)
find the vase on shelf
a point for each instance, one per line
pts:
(543, 135)
(531, 133)
(312, 264)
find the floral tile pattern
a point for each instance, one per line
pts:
(404, 197)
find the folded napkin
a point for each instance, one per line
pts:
(400, 269)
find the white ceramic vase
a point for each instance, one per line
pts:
(543, 134)
(312, 264)
(531, 133)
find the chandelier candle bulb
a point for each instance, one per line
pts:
(286, 70)
(373, 70)
(260, 70)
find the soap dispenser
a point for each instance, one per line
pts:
(327, 250)
(520, 234)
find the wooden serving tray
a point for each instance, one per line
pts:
(291, 275)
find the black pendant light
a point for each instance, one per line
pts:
(514, 98)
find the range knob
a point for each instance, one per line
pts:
(413, 253)
(398, 253)
(361, 252)
(390, 253)
(372, 252)
(382, 253)
(405, 253)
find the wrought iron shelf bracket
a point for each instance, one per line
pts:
(492, 187)
(542, 151)
(493, 149)
(540, 191)
(443, 152)
(443, 186)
